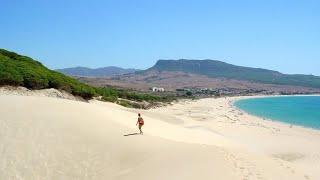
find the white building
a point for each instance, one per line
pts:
(156, 89)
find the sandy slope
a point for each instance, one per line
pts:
(295, 148)
(48, 138)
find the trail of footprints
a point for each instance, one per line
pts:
(247, 170)
(236, 120)
(284, 165)
(244, 169)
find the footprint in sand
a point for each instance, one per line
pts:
(244, 168)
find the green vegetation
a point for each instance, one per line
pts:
(189, 93)
(111, 95)
(18, 70)
(213, 68)
(129, 104)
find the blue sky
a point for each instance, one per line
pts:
(274, 34)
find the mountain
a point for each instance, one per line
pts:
(98, 72)
(219, 69)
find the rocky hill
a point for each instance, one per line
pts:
(219, 69)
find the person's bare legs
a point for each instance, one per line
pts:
(140, 126)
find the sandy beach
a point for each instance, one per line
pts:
(50, 138)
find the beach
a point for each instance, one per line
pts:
(51, 138)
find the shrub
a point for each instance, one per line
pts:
(109, 98)
(189, 93)
(13, 78)
(83, 91)
(125, 104)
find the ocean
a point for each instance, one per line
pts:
(295, 110)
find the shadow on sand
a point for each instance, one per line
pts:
(132, 134)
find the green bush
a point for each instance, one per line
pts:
(189, 93)
(125, 104)
(13, 78)
(35, 81)
(129, 104)
(83, 91)
(109, 98)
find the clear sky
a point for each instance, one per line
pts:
(273, 34)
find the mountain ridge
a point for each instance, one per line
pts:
(220, 69)
(96, 72)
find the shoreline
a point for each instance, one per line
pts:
(269, 138)
(268, 119)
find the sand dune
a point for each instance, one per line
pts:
(48, 138)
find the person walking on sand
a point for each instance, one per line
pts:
(140, 122)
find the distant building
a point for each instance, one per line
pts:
(156, 89)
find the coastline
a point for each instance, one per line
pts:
(233, 99)
(238, 98)
(296, 145)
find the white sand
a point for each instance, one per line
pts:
(48, 138)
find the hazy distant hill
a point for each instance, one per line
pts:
(219, 69)
(98, 72)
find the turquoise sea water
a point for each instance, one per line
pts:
(296, 110)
